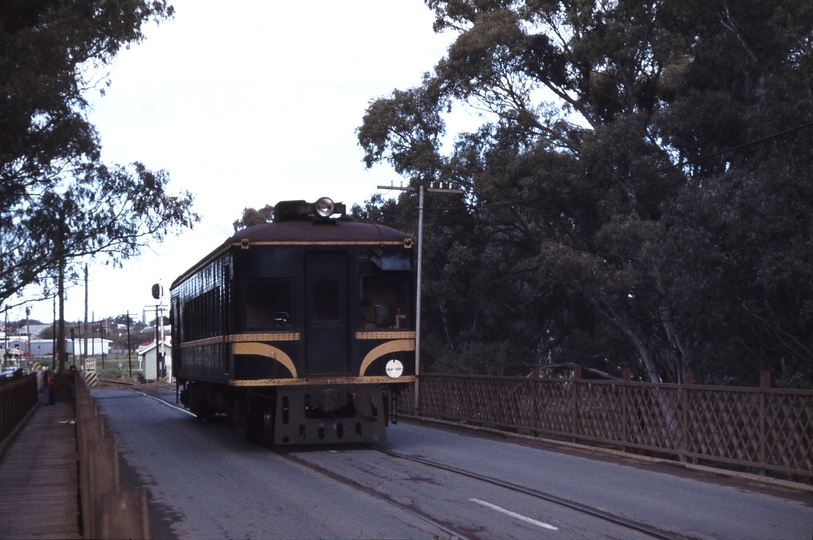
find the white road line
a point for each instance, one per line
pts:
(159, 400)
(515, 515)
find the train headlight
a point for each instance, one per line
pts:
(324, 207)
(394, 368)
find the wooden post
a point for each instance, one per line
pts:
(500, 371)
(535, 388)
(469, 391)
(688, 380)
(625, 407)
(577, 374)
(764, 405)
(416, 401)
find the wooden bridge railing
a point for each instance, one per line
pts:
(108, 511)
(764, 430)
(17, 397)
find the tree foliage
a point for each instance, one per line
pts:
(252, 216)
(58, 201)
(633, 196)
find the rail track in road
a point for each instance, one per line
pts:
(549, 497)
(286, 453)
(618, 520)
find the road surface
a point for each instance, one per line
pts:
(211, 483)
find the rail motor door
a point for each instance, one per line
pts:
(326, 318)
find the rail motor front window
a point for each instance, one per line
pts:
(267, 304)
(383, 301)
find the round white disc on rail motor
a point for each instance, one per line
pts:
(395, 368)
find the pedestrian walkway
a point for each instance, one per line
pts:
(38, 474)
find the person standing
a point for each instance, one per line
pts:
(52, 396)
(46, 386)
(72, 380)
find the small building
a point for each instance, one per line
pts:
(96, 346)
(147, 361)
(10, 344)
(41, 347)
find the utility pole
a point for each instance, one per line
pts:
(85, 349)
(420, 189)
(54, 352)
(129, 346)
(61, 346)
(5, 334)
(28, 333)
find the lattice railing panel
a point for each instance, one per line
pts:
(725, 424)
(555, 406)
(600, 411)
(655, 415)
(767, 429)
(789, 431)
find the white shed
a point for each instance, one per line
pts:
(147, 360)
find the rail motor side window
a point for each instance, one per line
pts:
(267, 304)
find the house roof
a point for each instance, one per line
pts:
(143, 350)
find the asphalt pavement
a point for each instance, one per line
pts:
(215, 484)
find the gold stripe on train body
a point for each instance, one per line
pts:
(238, 338)
(203, 342)
(268, 336)
(396, 345)
(386, 334)
(322, 381)
(262, 349)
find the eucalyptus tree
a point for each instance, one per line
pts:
(58, 201)
(252, 216)
(613, 134)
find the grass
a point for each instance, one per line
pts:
(118, 367)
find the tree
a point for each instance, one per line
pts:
(107, 211)
(252, 216)
(58, 202)
(615, 137)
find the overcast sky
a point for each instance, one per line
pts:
(247, 103)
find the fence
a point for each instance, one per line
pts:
(107, 510)
(17, 398)
(764, 430)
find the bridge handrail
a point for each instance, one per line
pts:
(108, 511)
(757, 429)
(17, 397)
